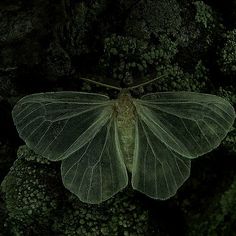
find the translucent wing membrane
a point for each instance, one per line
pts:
(191, 124)
(171, 129)
(158, 171)
(96, 172)
(79, 129)
(56, 125)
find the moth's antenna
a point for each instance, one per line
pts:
(101, 84)
(148, 82)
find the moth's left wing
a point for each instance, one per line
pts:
(171, 129)
(189, 123)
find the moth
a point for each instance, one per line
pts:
(98, 139)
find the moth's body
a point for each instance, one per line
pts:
(126, 115)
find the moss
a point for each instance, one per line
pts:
(127, 56)
(58, 62)
(30, 190)
(122, 215)
(204, 15)
(29, 155)
(230, 141)
(229, 94)
(173, 78)
(153, 18)
(218, 218)
(75, 34)
(36, 202)
(227, 54)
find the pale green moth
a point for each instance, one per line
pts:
(98, 139)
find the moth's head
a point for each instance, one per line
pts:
(124, 92)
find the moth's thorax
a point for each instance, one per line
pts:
(125, 107)
(125, 111)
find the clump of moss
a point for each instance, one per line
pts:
(229, 94)
(227, 54)
(230, 140)
(128, 56)
(174, 78)
(36, 202)
(204, 15)
(219, 217)
(30, 189)
(75, 34)
(26, 197)
(154, 18)
(29, 155)
(121, 215)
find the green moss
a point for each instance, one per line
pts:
(154, 18)
(75, 33)
(36, 202)
(230, 141)
(227, 54)
(229, 94)
(31, 194)
(127, 56)
(122, 215)
(29, 155)
(219, 217)
(175, 79)
(30, 189)
(204, 15)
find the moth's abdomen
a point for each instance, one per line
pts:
(126, 128)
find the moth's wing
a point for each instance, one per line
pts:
(57, 124)
(171, 129)
(189, 123)
(96, 171)
(157, 170)
(78, 128)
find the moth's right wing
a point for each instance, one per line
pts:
(157, 170)
(79, 129)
